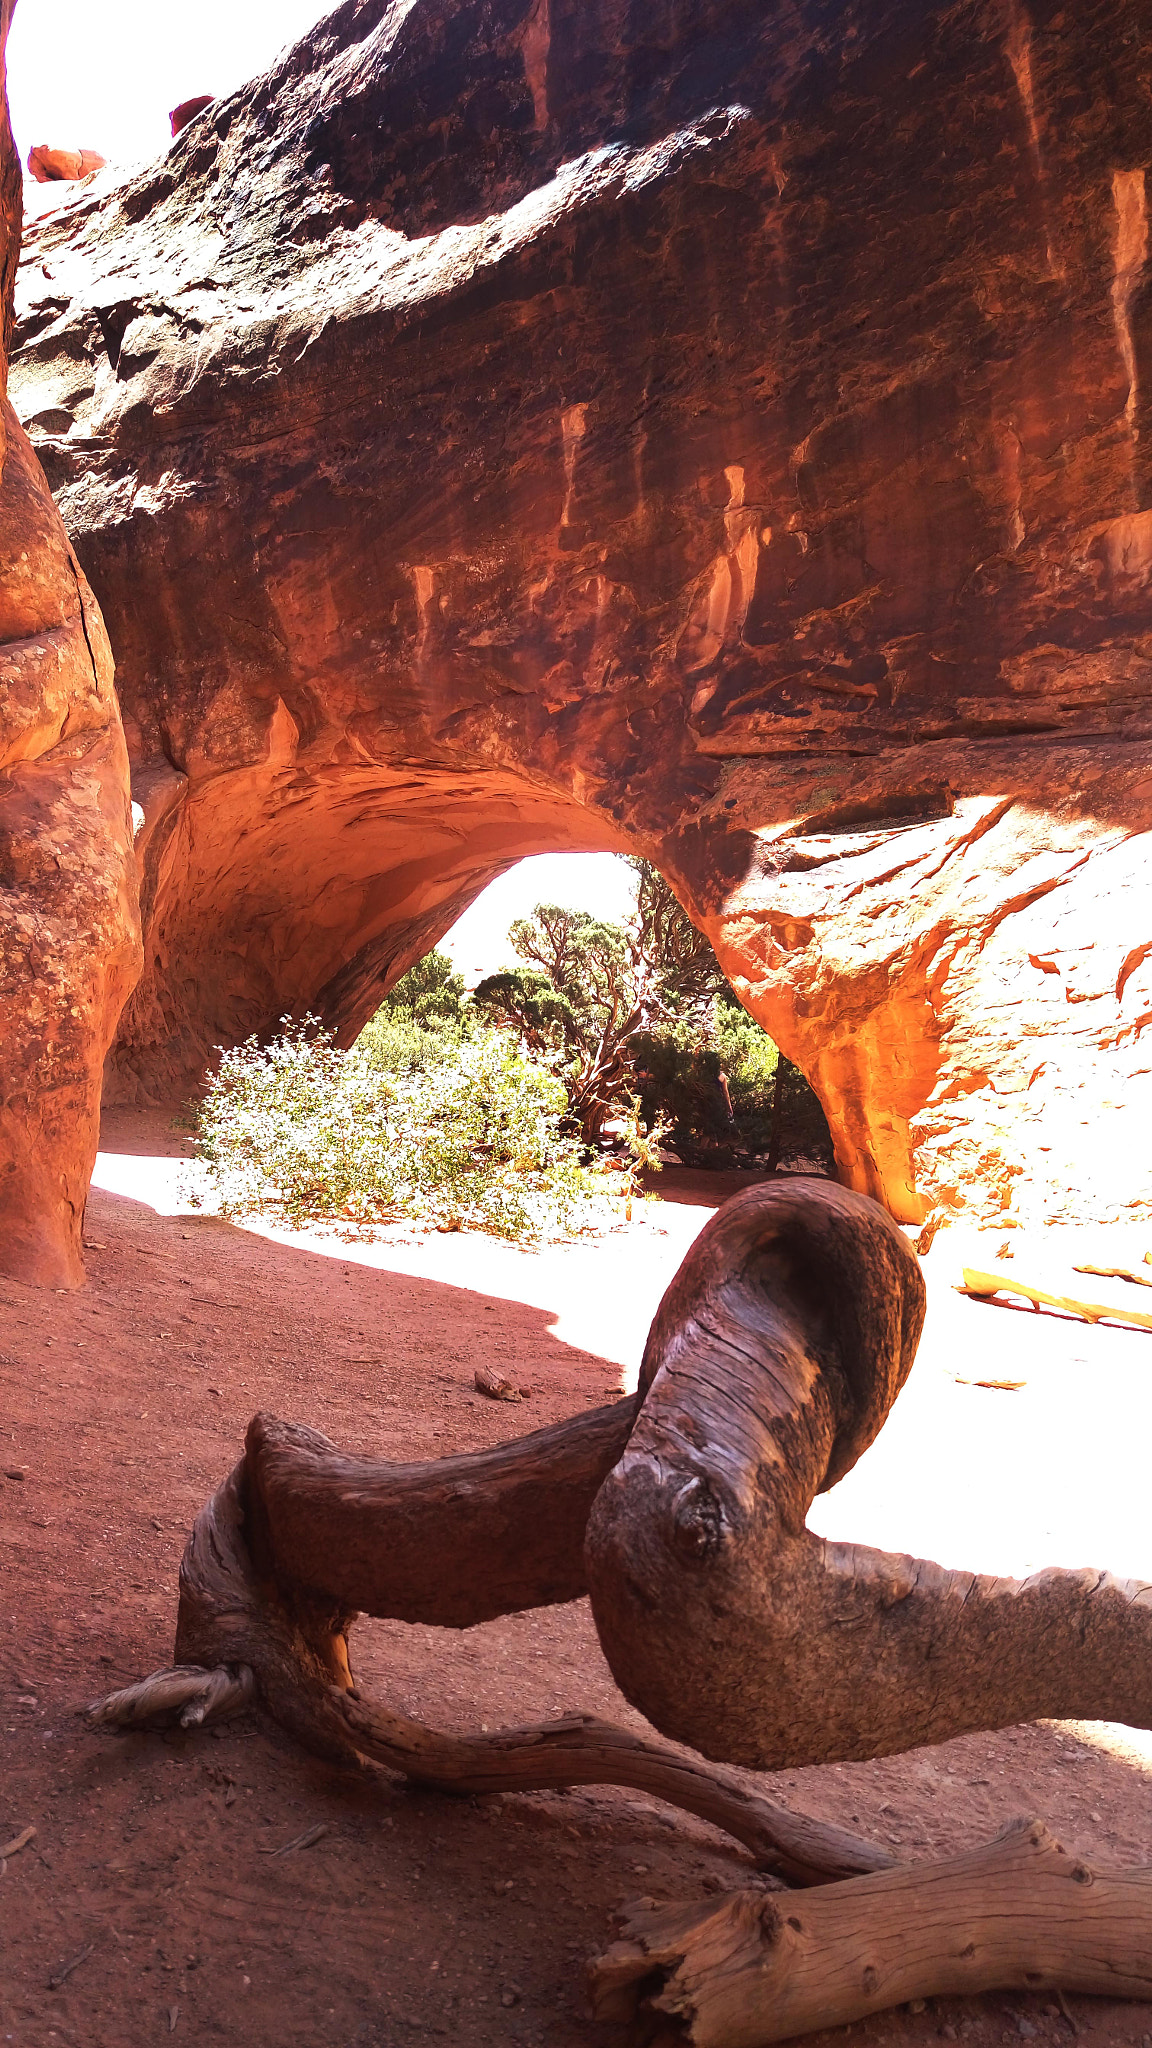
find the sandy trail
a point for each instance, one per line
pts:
(125, 1404)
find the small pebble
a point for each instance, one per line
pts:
(510, 1996)
(15, 1472)
(1026, 2030)
(917, 2005)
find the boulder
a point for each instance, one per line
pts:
(706, 429)
(69, 917)
(54, 166)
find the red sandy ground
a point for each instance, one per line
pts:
(415, 1915)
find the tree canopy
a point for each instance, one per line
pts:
(639, 1021)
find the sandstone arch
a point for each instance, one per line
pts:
(710, 420)
(69, 917)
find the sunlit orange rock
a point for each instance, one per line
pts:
(69, 917)
(49, 166)
(718, 431)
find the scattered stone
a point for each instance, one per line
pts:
(63, 166)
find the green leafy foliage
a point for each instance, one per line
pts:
(641, 1013)
(431, 994)
(729, 1094)
(454, 1127)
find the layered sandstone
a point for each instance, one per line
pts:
(707, 429)
(69, 921)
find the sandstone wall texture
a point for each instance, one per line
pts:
(69, 919)
(691, 426)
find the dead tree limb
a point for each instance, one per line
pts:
(984, 1285)
(748, 1968)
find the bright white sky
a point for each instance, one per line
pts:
(478, 942)
(105, 77)
(82, 76)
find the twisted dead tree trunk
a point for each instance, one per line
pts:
(771, 1365)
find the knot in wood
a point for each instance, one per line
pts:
(698, 1526)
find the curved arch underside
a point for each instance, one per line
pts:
(306, 888)
(504, 427)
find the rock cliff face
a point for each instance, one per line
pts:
(69, 922)
(709, 429)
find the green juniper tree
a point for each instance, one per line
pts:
(639, 1020)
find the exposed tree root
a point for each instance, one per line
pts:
(185, 1692)
(747, 1969)
(771, 1364)
(296, 1660)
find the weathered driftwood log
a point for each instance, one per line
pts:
(771, 1364)
(748, 1968)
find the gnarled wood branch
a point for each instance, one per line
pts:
(748, 1969)
(772, 1362)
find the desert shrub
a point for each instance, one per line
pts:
(431, 995)
(393, 1044)
(729, 1094)
(466, 1135)
(640, 1014)
(423, 1020)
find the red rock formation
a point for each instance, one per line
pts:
(69, 925)
(52, 166)
(188, 110)
(709, 429)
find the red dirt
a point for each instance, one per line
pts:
(465, 1919)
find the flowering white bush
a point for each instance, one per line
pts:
(470, 1138)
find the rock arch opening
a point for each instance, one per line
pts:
(286, 886)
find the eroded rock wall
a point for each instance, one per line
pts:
(69, 919)
(707, 429)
